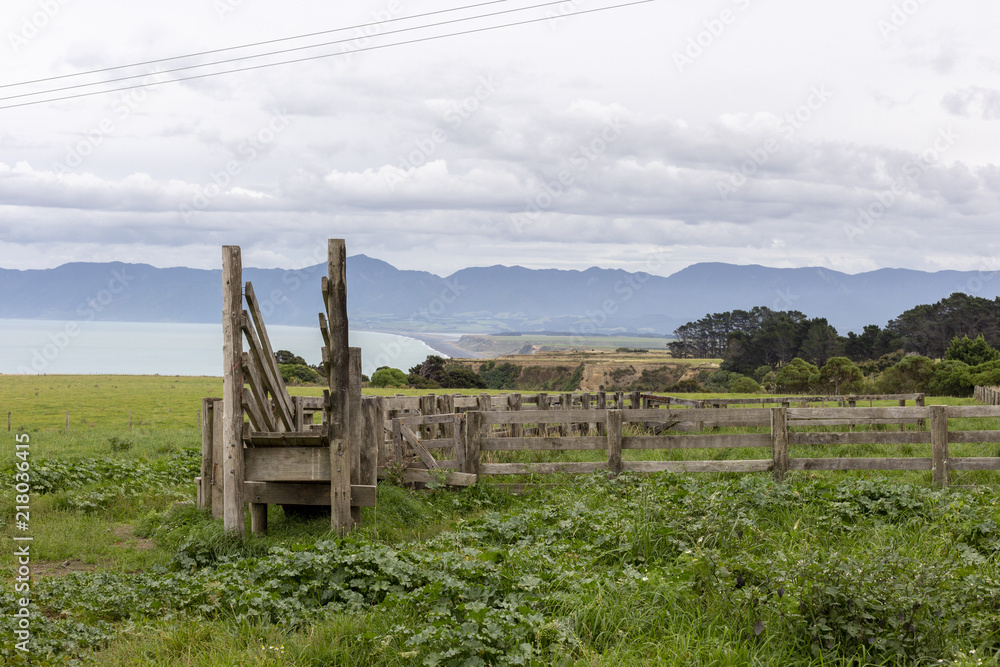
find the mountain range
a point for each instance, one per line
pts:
(483, 299)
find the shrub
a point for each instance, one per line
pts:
(744, 385)
(797, 376)
(971, 351)
(911, 375)
(389, 377)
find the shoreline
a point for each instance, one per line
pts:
(437, 342)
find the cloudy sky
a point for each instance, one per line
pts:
(852, 135)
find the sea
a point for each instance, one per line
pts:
(153, 348)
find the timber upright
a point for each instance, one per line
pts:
(259, 444)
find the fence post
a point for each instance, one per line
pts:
(355, 424)
(205, 497)
(602, 404)
(514, 405)
(232, 391)
(428, 406)
(615, 442)
(586, 428)
(338, 370)
(373, 408)
(566, 403)
(779, 442)
(542, 404)
(473, 440)
(939, 445)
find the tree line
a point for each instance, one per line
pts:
(942, 348)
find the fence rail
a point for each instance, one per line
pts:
(490, 430)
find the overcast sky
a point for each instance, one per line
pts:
(852, 135)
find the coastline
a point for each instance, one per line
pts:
(442, 344)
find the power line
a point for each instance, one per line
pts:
(309, 58)
(269, 53)
(248, 46)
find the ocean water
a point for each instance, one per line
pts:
(150, 348)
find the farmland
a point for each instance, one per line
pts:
(828, 568)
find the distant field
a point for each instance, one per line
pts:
(488, 344)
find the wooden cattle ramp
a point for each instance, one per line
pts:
(260, 446)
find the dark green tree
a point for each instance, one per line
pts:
(840, 375)
(389, 377)
(797, 376)
(912, 374)
(971, 351)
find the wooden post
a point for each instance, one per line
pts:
(355, 424)
(602, 404)
(514, 405)
(475, 432)
(565, 403)
(919, 402)
(635, 400)
(258, 518)
(446, 406)
(428, 406)
(335, 298)
(939, 445)
(615, 441)
(232, 389)
(206, 455)
(374, 412)
(779, 442)
(218, 480)
(542, 404)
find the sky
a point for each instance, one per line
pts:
(853, 135)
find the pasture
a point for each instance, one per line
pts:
(865, 568)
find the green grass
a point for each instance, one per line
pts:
(862, 568)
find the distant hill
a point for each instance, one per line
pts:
(493, 298)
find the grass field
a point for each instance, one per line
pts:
(826, 569)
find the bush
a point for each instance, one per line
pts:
(911, 375)
(951, 378)
(298, 374)
(744, 385)
(389, 377)
(500, 376)
(720, 381)
(840, 375)
(797, 376)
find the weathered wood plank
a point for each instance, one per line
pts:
(546, 444)
(335, 299)
(540, 468)
(420, 420)
(696, 441)
(268, 361)
(271, 374)
(411, 439)
(373, 412)
(804, 423)
(743, 416)
(253, 379)
(974, 463)
(752, 465)
(856, 414)
(207, 409)
(779, 443)
(252, 410)
(860, 464)
(453, 478)
(860, 438)
(550, 417)
(973, 436)
(317, 438)
(614, 441)
(291, 493)
(957, 411)
(232, 391)
(939, 444)
(288, 464)
(218, 479)
(356, 423)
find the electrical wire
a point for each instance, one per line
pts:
(248, 46)
(308, 58)
(269, 53)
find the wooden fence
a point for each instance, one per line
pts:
(488, 430)
(987, 395)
